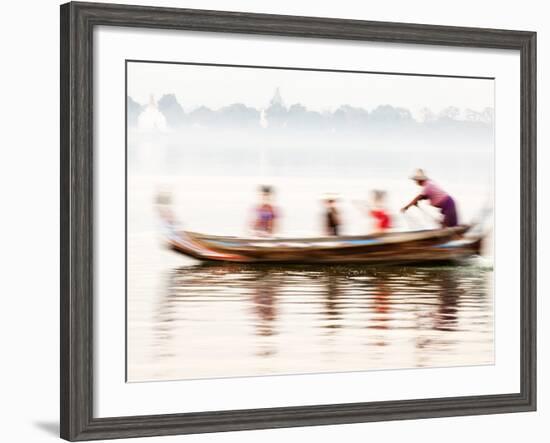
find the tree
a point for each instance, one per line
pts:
(450, 113)
(299, 117)
(134, 109)
(388, 114)
(427, 115)
(349, 117)
(488, 115)
(238, 115)
(172, 110)
(202, 116)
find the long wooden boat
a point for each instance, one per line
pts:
(390, 247)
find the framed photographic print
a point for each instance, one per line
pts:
(272, 221)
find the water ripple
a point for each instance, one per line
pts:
(238, 320)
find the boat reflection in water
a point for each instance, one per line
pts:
(245, 320)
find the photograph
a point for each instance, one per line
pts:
(290, 220)
(280, 219)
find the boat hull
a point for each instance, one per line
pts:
(410, 247)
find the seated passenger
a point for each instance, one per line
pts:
(265, 214)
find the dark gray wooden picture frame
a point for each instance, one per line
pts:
(78, 21)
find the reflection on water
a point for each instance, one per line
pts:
(242, 320)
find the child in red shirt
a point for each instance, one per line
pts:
(378, 212)
(382, 220)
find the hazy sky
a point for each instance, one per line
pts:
(215, 86)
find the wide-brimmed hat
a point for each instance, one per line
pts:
(419, 174)
(329, 196)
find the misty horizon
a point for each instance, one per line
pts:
(169, 113)
(241, 121)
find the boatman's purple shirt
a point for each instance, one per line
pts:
(434, 193)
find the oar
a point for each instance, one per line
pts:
(411, 218)
(408, 219)
(429, 216)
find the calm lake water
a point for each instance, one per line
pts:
(193, 320)
(187, 320)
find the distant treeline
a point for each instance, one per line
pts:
(298, 117)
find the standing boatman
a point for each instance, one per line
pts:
(437, 197)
